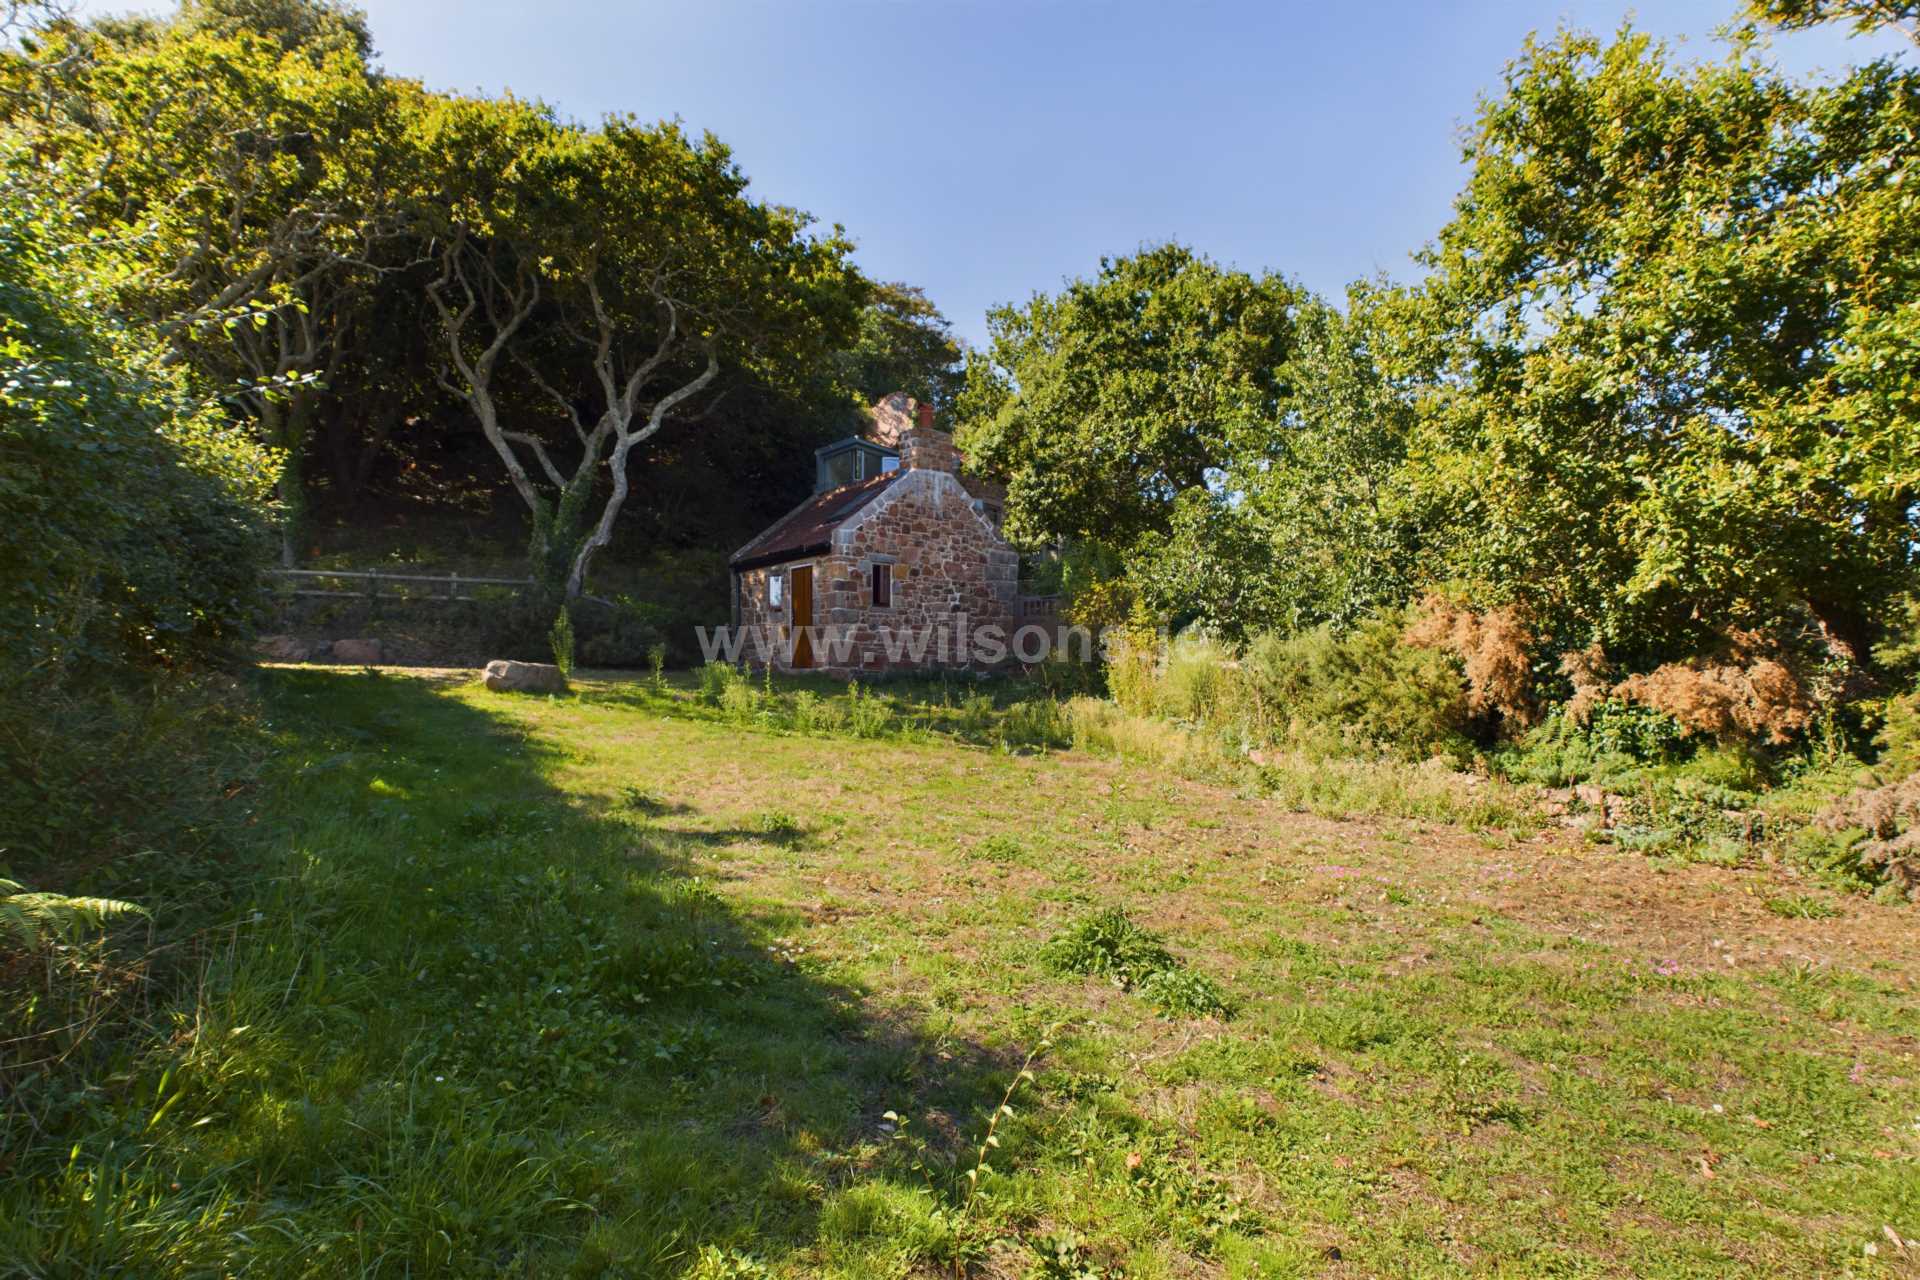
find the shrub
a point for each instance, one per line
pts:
(624, 635)
(715, 679)
(132, 511)
(977, 716)
(1035, 722)
(1365, 683)
(1492, 646)
(740, 700)
(561, 639)
(1198, 681)
(1878, 829)
(1750, 692)
(1133, 661)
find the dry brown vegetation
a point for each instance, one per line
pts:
(1492, 646)
(1890, 815)
(1751, 691)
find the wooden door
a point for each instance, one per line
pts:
(802, 617)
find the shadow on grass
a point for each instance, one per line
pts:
(466, 1025)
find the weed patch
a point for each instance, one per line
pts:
(1110, 945)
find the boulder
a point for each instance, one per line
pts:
(506, 676)
(362, 651)
(282, 649)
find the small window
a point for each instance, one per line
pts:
(882, 586)
(776, 595)
(889, 464)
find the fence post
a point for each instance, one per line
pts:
(453, 585)
(373, 594)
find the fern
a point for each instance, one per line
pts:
(32, 920)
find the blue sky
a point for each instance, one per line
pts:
(988, 148)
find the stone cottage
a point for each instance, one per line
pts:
(895, 563)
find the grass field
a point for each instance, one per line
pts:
(618, 985)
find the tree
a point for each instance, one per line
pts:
(131, 509)
(1671, 338)
(251, 187)
(1862, 15)
(615, 270)
(904, 344)
(316, 29)
(1102, 405)
(1316, 518)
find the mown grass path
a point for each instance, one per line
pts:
(571, 986)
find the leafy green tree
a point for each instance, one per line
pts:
(250, 187)
(317, 29)
(1670, 336)
(616, 270)
(1862, 15)
(131, 510)
(1317, 519)
(1102, 405)
(904, 344)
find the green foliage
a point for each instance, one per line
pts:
(1181, 993)
(1316, 517)
(1110, 945)
(1861, 15)
(869, 714)
(1102, 404)
(31, 920)
(715, 679)
(904, 344)
(1801, 907)
(132, 510)
(1366, 685)
(560, 639)
(1662, 287)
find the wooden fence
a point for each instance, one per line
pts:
(440, 587)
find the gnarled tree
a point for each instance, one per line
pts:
(611, 271)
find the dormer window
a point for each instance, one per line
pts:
(850, 461)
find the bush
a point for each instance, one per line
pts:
(1035, 722)
(626, 634)
(1366, 684)
(132, 512)
(715, 679)
(1199, 680)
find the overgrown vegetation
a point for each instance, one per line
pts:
(498, 984)
(1634, 460)
(1609, 520)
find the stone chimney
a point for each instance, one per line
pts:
(892, 417)
(926, 447)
